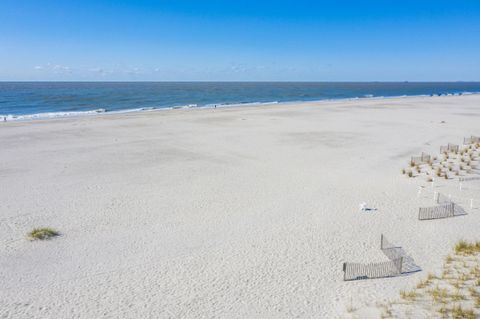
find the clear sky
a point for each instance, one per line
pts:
(388, 40)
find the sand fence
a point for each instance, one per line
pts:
(442, 199)
(449, 148)
(446, 208)
(424, 158)
(471, 140)
(399, 263)
(469, 179)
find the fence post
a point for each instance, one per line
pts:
(401, 264)
(344, 271)
(381, 241)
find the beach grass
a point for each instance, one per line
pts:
(454, 294)
(467, 248)
(42, 233)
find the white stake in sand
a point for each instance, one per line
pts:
(460, 186)
(419, 191)
(434, 196)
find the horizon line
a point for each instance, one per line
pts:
(226, 81)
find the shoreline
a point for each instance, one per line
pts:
(100, 112)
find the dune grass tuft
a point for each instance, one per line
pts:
(459, 313)
(42, 233)
(455, 294)
(466, 248)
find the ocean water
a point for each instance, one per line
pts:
(27, 100)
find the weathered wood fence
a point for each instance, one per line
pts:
(390, 268)
(357, 271)
(471, 140)
(442, 199)
(424, 158)
(449, 148)
(446, 210)
(468, 179)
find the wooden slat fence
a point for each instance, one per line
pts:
(424, 158)
(392, 267)
(357, 271)
(446, 210)
(449, 148)
(442, 199)
(471, 140)
(468, 179)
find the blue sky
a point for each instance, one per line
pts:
(245, 40)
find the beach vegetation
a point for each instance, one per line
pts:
(466, 248)
(457, 296)
(408, 295)
(431, 277)
(454, 294)
(459, 313)
(439, 172)
(439, 294)
(42, 233)
(423, 283)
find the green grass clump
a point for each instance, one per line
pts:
(42, 233)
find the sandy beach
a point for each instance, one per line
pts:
(242, 212)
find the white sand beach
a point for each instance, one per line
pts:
(242, 212)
